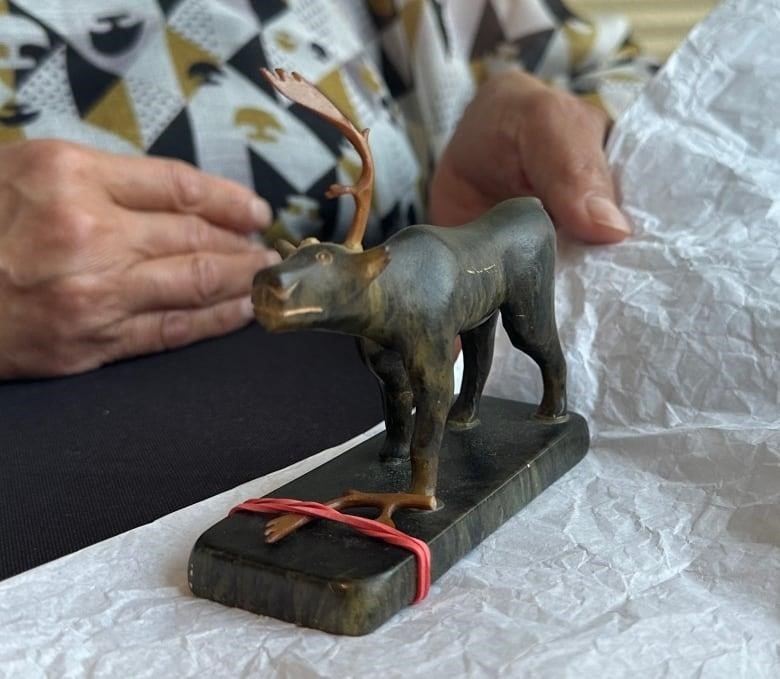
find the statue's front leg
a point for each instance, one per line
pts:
(430, 373)
(397, 398)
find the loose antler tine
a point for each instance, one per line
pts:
(301, 91)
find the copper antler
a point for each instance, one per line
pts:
(296, 87)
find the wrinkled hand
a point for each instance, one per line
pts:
(104, 257)
(519, 137)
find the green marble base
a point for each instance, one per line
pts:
(328, 577)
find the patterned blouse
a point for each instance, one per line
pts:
(180, 78)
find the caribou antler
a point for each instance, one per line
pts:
(298, 89)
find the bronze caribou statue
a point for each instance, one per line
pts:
(407, 300)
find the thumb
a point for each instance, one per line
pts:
(573, 178)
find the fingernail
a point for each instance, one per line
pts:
(260, 211)
(605, 213)
(247, 309)
(269, 255)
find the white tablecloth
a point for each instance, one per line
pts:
(657, 556)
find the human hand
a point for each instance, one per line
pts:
(104, 257)
(519, 137)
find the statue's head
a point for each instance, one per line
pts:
(321, 285)
(316, 285)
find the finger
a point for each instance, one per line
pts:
(567, 168)
(160, 330)
(160, 184)
(163, 234)
(200, 280)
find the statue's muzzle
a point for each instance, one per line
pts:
(272, 299)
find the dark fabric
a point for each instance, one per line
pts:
(87, 457)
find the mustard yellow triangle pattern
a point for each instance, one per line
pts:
(261, 125)
(332, 86)
(352, 169)
(411, 16)
(479, 70)
(114, 112)
(6, 74)
(11, 133)
(276, 231)
(580, 38)
(383, 8)
(369, 79)
(593, 98)
(184, 53)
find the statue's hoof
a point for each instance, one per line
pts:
(394, 454)
(459, 423)
(551, 419)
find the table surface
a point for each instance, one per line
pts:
(88, 457)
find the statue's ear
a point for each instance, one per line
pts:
(374, 261)
(284, 247)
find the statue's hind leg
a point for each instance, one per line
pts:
(477, 346)
(538, 337)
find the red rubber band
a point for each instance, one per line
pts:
(369, 527)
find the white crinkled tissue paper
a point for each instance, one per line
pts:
(657, 556)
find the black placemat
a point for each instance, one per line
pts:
(87, 457)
